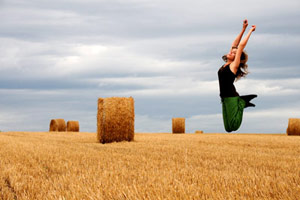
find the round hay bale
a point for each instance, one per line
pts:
(57, 125)
(293, 127)
(53, 125)
(115, 119)
(178, 125)
(198, 132)
(61, 125)
(73, 126)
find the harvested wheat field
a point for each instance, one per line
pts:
(62, 165)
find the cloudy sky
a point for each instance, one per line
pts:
(58, 57)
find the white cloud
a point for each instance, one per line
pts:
(162, 86)
(207, 123)
(273, 120)
(148, 124)
(275, 87)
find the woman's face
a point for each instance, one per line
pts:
(231, 55)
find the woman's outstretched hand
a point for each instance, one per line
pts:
(253, 28)
(245, 23)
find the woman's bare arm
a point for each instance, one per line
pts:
(237, 40)
(235, 64)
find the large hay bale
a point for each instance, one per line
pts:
(178, 125)
(293, 127)
(73, 126)
(198, 132)
(115, 119)
(57, 125)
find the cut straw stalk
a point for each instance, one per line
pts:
(115, 119)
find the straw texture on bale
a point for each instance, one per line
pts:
(115, 119)
(293, 127)
(57, 125)
(73, 126)
(178, 125)
(198, 132)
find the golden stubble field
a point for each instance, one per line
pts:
(65, 165)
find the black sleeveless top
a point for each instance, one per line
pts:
(226, 79)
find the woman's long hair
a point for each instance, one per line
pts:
(243, 67)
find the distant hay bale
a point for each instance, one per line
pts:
(293, 127)
(115, 119)
(53, 125)
(57, 125)
(73, 126)
(198, 132)
(178, 125)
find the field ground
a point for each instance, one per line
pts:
(43, 165)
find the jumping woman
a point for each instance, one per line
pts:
(234, 68)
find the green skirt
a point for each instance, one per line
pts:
(232, 109)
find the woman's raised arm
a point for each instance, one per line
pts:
(235, 64)
(237, 40)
